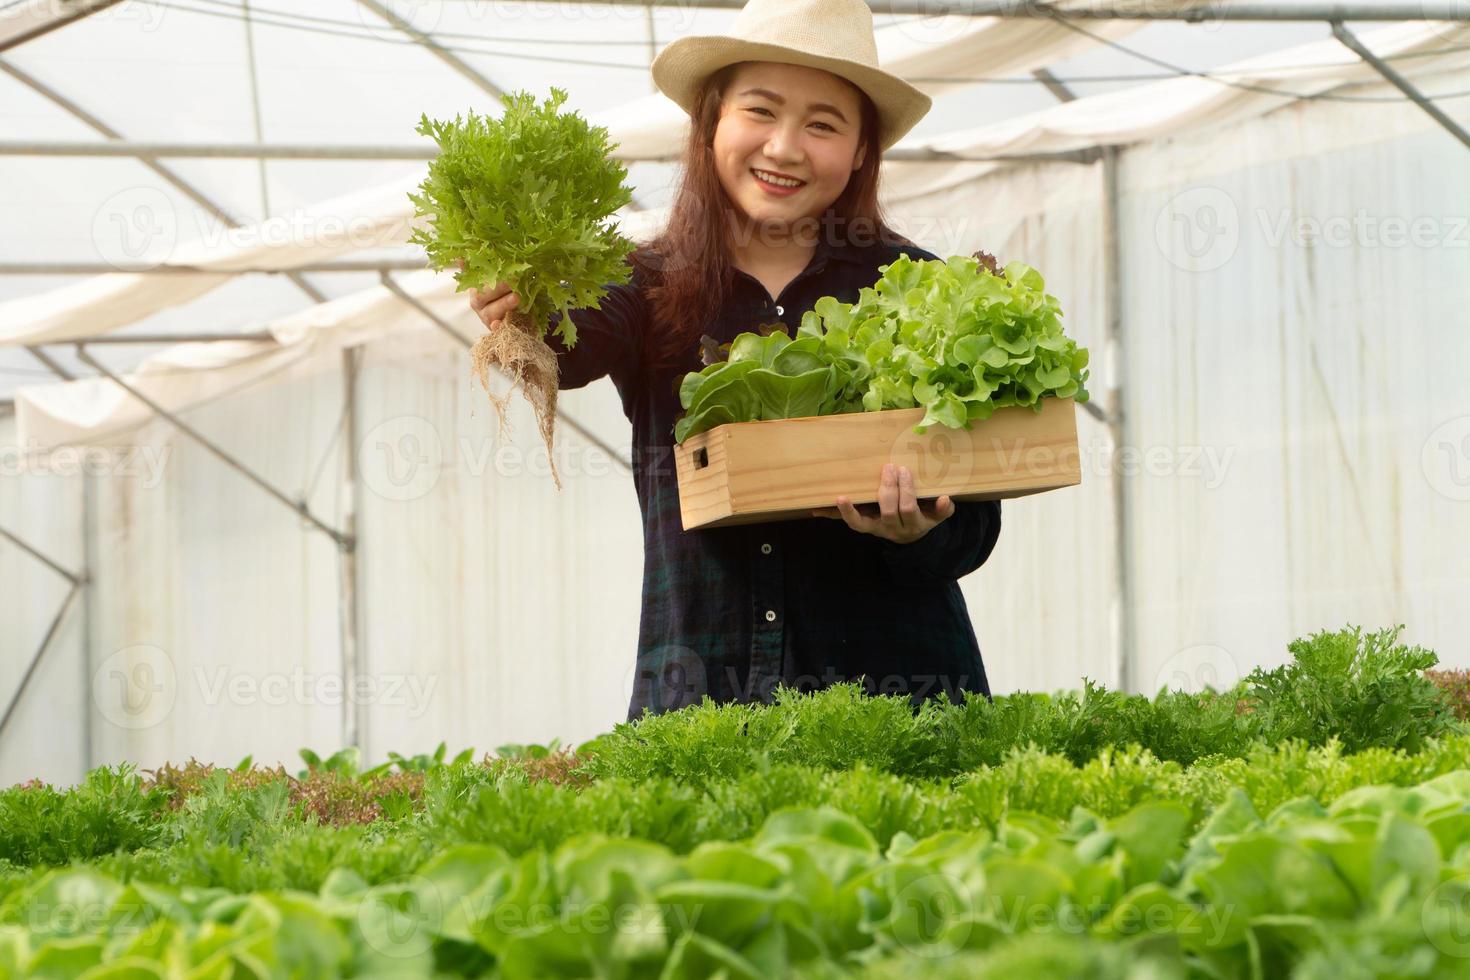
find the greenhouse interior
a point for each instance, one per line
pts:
(320, 656)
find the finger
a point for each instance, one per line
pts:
(499, 300)
(850, 514)
(888, 494)
(908, 504)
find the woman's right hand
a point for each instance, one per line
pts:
(493, 305)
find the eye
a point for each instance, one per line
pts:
(829, 128)
(758, 109)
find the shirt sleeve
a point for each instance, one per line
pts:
(609, 337)
(952, 549)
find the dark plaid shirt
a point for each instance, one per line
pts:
(732, 612)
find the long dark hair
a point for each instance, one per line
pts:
(690, 263)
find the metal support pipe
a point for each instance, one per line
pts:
(282, 151)
(166, 269)
(25, 679)
(435, 48)
(175, 338)
(571, 423)
(1116, 345)
(347, 603)
(299, 506)
(1351, 41)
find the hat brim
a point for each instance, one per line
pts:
(680, 69)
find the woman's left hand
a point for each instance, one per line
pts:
(898, 517)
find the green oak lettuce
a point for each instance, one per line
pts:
(949, 336)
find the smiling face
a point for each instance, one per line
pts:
(779, 120)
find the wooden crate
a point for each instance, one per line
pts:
(748, 472)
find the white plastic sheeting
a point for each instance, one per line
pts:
(649, 126)
(90, 409)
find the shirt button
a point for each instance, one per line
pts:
(770, 615)
(780, 310)
(765, 549)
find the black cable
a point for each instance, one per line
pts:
(1247, 86)
(1170, 70)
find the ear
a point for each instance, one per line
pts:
(857, 161)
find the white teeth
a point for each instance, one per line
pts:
(778, 181)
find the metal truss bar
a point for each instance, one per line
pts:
(1351, 41)
(183, 186)
(50, 362)
(570, 422)
(433, 47)
(106, 268)
(86, 8)
(1384, 10)
(282, 151)
(298, 506)
(51, 631)
(1054, 85)
(175, 338)
(36, 554)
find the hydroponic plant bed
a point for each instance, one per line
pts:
(1312, 821)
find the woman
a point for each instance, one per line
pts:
(777, 208)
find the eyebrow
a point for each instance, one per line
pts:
(814, 107)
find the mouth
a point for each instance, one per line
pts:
(777, 182)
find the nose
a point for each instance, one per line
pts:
(784, 146)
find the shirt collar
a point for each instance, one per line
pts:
(840, 251)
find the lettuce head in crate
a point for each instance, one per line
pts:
(525, 199)
(959, 337)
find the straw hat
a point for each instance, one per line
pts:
(833, 35)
